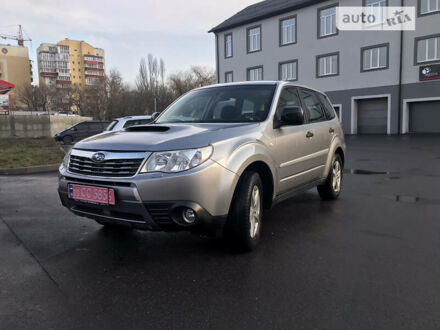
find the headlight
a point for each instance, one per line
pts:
(177, 160)
(66, 159)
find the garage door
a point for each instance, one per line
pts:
(372, 116)
(424, 117)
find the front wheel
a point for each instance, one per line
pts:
(243, 226)
(332, 186)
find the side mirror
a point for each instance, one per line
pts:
(291, 116)
(154, 116)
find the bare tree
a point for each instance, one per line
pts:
(28, 95)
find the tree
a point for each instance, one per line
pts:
(184, 81)
(28, 95)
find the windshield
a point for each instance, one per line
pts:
(231, 104)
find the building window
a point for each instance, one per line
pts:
(255, 73)
(377, 8)
(288, 31)
(228, 45)
(374, 57)
(428, 49)
(327, 21)
(229, 76)
(429, 6)
(254, 39)
(327, 65)
(288, 70)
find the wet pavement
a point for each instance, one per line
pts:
(369, 260)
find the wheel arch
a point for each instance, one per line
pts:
(337, 147)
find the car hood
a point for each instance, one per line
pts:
(160, 137)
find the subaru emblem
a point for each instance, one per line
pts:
(98, 157)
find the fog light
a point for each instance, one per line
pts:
(189, 216)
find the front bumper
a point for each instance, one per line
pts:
(155, 201)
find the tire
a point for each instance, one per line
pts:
(67, 139)
(332, 186)
(243, 227)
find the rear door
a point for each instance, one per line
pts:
(81, 131)
(95, 128)
(317, 133)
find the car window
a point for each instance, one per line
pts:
(328, 108)
(222, 104)
(82, 127)
(313, 106)
(289, 98)
(135, 122)
(95, 126)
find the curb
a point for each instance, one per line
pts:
(29, 170)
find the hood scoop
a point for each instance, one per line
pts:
(147, 128)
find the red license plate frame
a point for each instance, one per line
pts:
(91, 194)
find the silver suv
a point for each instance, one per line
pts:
(211, 161)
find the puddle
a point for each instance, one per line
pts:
(365, 172)
(403, 198)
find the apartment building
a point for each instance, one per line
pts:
(380, 82)
(15, 66)
(70, 63)
(54, 65)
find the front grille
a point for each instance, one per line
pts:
(108, 168)
(160, 212)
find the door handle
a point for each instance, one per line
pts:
(309, 134)
(331, 130)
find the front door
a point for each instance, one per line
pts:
(292, 146)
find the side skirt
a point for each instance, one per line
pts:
(296, 191)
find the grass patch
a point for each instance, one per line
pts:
(23, 152)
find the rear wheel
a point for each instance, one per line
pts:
(243, 226)
(333, 184)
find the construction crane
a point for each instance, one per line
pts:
(19, 37)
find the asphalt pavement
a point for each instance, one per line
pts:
(369, 260)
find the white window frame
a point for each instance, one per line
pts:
(436, 49)
(253, 74)
(228, 45)
(323, 20)
(294, 64)
(428, 6)
(375, 6)
(285, 30)
(371, 51)
(330, 65)
(227, 74)
(253, 39)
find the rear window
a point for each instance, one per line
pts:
(95, 126)
(82, 126)
(112, 125)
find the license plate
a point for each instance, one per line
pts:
(92, 194)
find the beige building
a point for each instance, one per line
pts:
(70, 63)
(15, 66)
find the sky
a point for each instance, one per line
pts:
(174, 30)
